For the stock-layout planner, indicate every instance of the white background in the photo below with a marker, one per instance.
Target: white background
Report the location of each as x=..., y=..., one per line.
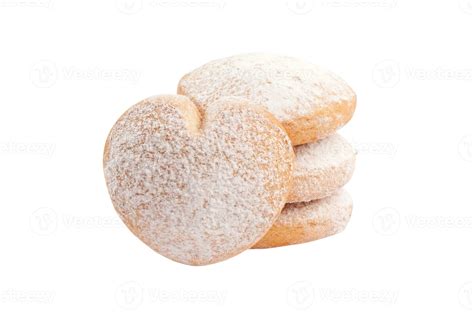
x=68, y=69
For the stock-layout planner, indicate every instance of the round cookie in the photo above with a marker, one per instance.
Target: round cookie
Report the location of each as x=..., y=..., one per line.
x=310, y=102
x=198, y=190
x=307, y=221
x=321, y=168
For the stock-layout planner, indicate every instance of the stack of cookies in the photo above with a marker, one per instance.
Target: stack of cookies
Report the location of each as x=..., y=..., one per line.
x=245, y=156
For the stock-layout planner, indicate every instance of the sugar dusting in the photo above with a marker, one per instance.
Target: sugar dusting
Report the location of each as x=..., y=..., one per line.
x=335, y=208
x=323, y=154
x=321, y=168
x=308, y=221
x=197, y=191
x=288, y=87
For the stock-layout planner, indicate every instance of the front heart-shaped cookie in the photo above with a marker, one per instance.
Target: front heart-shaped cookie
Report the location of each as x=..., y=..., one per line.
x=198, y=191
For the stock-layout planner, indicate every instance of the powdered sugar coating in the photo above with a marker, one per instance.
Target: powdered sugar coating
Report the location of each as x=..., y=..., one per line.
x=198, y=191
x=307, y=221
x=321, y=168
x=299, y=94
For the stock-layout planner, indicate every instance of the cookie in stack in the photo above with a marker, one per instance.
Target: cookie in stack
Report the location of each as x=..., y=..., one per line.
x=244, y=156
x=311, y=103
x=198, y=186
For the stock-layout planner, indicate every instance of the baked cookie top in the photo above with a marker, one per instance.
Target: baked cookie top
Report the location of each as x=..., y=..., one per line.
x=198, y=187
x=310, y=101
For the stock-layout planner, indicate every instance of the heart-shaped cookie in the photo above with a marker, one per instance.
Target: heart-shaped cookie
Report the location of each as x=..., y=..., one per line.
x=198, y=190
